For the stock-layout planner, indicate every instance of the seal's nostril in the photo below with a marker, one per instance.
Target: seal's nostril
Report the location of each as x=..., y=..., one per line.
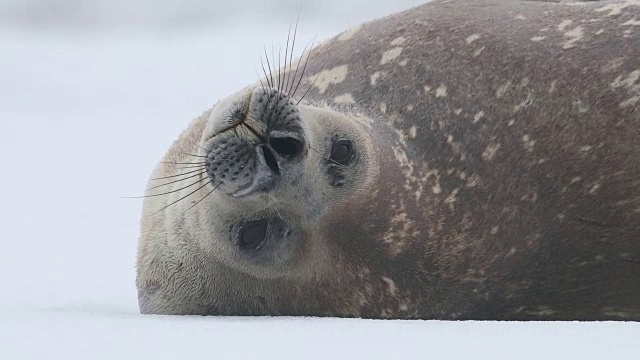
x=286, y=146
x=270, y=159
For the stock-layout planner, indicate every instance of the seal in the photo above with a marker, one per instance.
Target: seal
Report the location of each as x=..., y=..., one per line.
x=472, y=159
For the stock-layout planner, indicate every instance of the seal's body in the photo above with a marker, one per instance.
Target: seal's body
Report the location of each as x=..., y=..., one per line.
x=459, y=160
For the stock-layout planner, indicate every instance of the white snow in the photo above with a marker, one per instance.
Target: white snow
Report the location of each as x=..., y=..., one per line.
x=84, y=116
x=108, y=332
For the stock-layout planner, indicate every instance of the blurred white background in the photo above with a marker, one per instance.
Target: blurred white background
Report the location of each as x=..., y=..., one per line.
x=92, y=92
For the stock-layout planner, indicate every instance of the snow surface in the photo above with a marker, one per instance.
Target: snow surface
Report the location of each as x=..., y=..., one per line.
x=84, y=116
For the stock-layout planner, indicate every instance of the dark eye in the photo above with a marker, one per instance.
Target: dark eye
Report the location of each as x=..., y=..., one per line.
x=253, y=234
x=342, y=151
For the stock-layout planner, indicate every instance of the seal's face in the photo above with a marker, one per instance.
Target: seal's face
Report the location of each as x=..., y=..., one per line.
x=277, y=169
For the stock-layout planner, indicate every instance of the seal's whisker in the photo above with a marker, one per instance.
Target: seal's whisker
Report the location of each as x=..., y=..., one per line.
x=201, y=148
x=276, y=86
x=175, y=181
x=191, y=166
x=304, y=68
x=171, y=176
x=287, y=64
x=200, y=156
x=182, y=163
x=259, y=79
x=169, y=192
x=198, y=202
x=273, y=60
x=264, y=71
x=286, y=54
x=324, y=157
x=297, y=68
x=280, y=87
x=184, y=197
x=306, y=92
x=267, y=78
x=293, y=46
x=266, y=56
x=187, y=165
x=280, y=70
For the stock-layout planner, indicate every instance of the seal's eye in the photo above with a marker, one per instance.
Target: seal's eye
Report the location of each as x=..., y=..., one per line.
x=342, y=151
x=253, y=234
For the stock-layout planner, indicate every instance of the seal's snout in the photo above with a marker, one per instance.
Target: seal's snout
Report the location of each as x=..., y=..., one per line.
x=266, y=172
x=260, y=143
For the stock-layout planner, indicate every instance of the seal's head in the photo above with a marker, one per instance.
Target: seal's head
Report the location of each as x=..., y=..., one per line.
x=276, y=169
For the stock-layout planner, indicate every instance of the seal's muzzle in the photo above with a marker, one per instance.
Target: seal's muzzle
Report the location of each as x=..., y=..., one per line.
x=260, y=145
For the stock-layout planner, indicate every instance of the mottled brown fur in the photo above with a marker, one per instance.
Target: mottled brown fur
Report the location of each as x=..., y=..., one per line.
x=508, y=139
